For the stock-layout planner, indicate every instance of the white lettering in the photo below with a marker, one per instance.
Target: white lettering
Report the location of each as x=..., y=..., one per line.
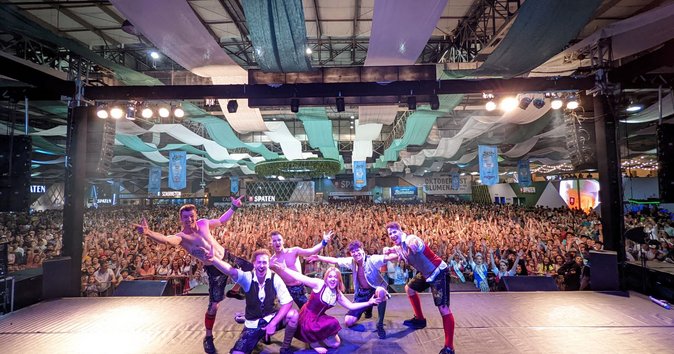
x=264, y=198
x=38, y=189
x=175, y=194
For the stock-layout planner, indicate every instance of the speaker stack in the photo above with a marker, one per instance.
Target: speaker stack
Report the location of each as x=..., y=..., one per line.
x=581, y=142
x=15, y=157
x=666, y=165
x=100, y=145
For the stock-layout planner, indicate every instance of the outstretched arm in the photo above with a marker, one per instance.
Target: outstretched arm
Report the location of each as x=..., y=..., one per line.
x=144, y=229
x=319, y=258
x=236, y=204
x=225, y=268
x=314, y=283
x=352, y=306
x=517, y=261
x=314, y=250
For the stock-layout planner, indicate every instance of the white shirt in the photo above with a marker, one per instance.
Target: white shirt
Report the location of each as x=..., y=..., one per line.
x=245, y=279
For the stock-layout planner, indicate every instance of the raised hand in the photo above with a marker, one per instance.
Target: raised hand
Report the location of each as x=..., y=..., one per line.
x=142, y=228
x=311, y=259
x=237, y=202
x=327, y=235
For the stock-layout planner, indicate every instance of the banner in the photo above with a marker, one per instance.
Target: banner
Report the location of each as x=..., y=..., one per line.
x=444, y=185
x=154, y=180
x=359, y=175
x=404, y=192
x=523, y=173
x=488, y=156
x=234, y=185
x=177, y=170
x=456, y=181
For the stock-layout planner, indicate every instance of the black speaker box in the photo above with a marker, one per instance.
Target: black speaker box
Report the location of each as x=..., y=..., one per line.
x=604, y=271
x=529, y=283
x=100, y=144
x=666, y=163
x=15, y=157
x=142, y=288
x=56, y=277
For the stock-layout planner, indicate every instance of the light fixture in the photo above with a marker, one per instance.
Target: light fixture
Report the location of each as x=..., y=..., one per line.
x=411, y=103
x=308, y=51
x=178, y=111
x=116, y=112
x=556, y=102
x=539, y=103
x=435, y=102
x=524, y=102
x=232, y=106
x=490, y=105
x=572, y=103
x=353, y=117
x=102, y=112
x=508, y=104
x=294, y=105
x=164, y=112
x=154, y=55
x=146, y=112
x=634, y=107
x=339, y=103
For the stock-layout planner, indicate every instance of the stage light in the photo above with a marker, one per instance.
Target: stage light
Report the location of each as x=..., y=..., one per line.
x=232, y=106
x=634, y=107
x=164, y=112
x=154, y=55
x=308, y=51
x=294, y=105
x=490, y=105
x=556, y=102
x=102, y=112
x=116, y=112
x=178, y=112
x=572, y=103
x=411, y=103
x=147, y=112
x=508, y=104
x=525, y=102
x=435, y=102
x=339, y=103
x=539, y=103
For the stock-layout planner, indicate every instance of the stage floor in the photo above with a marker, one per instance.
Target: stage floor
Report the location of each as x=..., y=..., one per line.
x=535, y=322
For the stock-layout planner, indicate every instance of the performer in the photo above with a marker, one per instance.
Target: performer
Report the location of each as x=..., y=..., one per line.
x=367, y=281
x=264, y=293
x=195, y=237
x=432, y=272
x=289, y=257
x=314, y=326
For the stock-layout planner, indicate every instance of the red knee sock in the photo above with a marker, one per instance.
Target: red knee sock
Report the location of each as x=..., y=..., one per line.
x=416, y=306
x=209, y=321
x=448, y=326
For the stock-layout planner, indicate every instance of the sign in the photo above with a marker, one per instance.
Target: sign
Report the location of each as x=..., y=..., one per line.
x=454, y=184
x=234, y=185
x=528, y=190
x=171, y=194
x=264, y=198
x=154, y=180
x=38, y=188
x=523, y=173
x=359, y=175
x=488, y=156
x=404, y=192
x=177, y=170
x=104, y=201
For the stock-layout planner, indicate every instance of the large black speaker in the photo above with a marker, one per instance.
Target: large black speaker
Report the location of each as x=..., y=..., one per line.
x=142, y=288
x=100, y=144
x=15, y=157
x=666, y=163
x=529, y=283
x=56, y=277
x=604, y=271
x=581, y=142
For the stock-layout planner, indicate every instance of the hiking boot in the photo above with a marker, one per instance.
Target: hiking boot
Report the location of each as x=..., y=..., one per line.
x=209, y=346
x=447, y=350
x=381, y=333
x=415, y=323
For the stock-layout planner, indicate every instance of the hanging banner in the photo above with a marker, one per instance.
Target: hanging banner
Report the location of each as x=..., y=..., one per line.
x=488, y=156
x=154, y=180
x=456, y=181
x=234, y=185
x=177, y=170
x=359, y=175
x=523, y=173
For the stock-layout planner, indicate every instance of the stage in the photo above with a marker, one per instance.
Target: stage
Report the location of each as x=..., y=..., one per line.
x=523, y=322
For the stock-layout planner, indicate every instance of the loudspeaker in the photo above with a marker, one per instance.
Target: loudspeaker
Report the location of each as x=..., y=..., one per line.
x=581, y=142
x=529, y=283
x=56, y=277
x=666, y=171
x=604, y=270
x=100, y=143
x=142, y=288
x=15, y=157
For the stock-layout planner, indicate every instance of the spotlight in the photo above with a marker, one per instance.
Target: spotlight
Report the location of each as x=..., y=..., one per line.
x=178, y=112
x=411, y=103
x=339, y=102
x=572, y=103
x=525, y=102
x=232, y=106
x=147, y=112
x=308, y=51
x=154, y=55
x=634, y=107
x=164, y=112
x=539, y=103
x=508, y=104
x=101, y=112
x=556, y=103
x=116, y=112
x=435, y=102
x=294, y=105
x=490, y=106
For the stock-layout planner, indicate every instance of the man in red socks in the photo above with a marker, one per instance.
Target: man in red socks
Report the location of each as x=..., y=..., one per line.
x=432, y=272
x=195, y=237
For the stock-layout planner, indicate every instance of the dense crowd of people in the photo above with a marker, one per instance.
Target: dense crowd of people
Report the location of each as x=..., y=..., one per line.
x=480, y=243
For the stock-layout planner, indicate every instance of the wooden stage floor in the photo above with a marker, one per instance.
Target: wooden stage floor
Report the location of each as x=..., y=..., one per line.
x=534, y=322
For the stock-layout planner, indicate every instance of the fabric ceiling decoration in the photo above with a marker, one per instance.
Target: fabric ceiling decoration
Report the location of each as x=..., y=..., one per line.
x=545, y=25
x=222, y=133
x=628, y=37
x=319, y=131
x=652, y=112
x=417, y=127
x=278, y=34
x=278, y=132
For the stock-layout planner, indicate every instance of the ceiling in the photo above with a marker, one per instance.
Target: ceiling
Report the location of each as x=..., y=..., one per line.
x=469, y=43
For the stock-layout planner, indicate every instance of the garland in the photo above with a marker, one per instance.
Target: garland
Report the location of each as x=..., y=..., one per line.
x=311, y=168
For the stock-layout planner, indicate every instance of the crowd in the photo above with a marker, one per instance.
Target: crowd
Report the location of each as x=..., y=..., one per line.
x=480, y=243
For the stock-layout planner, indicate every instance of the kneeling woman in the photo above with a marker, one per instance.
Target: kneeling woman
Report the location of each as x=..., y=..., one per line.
x=314, y=326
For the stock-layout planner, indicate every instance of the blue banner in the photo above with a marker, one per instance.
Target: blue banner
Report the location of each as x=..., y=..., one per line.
x=456, y=182
x=488, y=156
x=523, y=173
x=177, y=170
x=234, y=184
x=404, y=192
x=359, y=175
x=154, y=180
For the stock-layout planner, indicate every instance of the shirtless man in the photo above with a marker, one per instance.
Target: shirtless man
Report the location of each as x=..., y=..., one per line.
x=289, y=256
x=195, y=237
